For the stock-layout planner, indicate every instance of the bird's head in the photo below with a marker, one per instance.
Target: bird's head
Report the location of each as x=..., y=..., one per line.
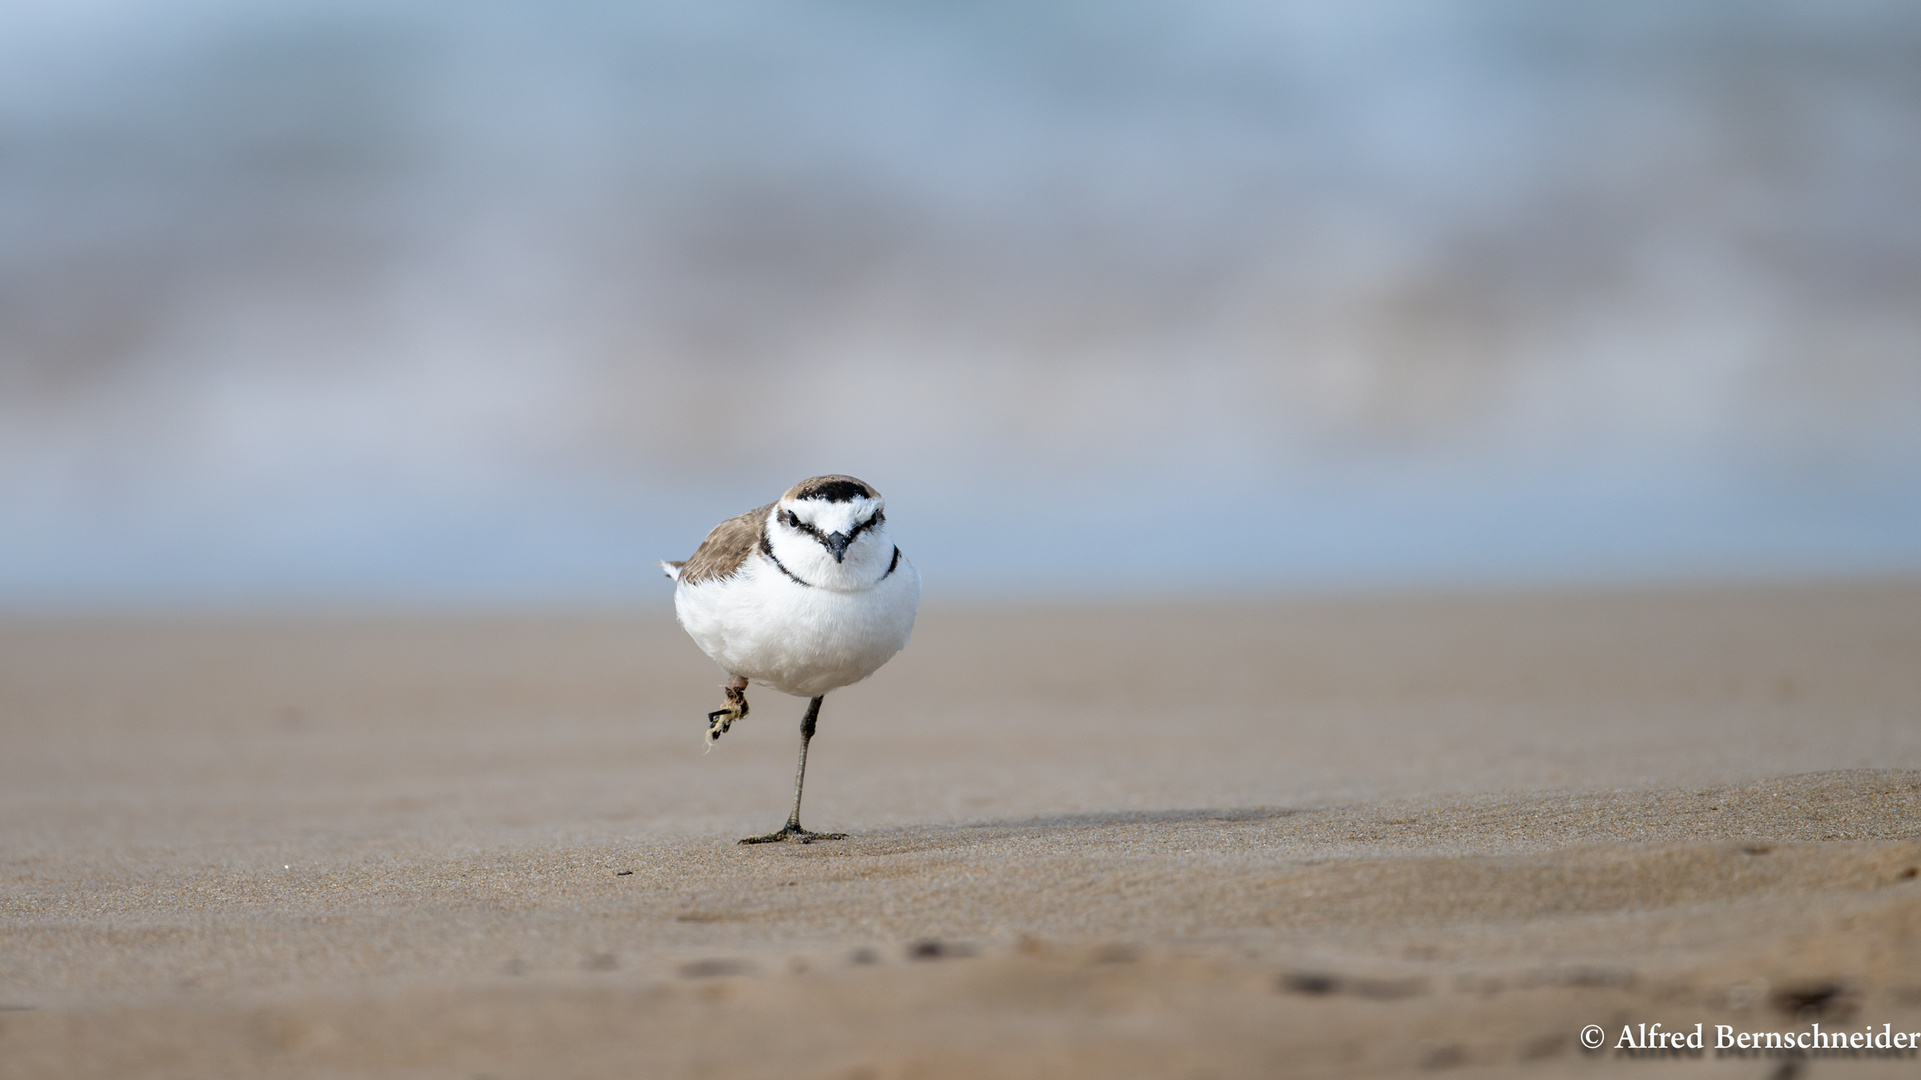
x=832, y=531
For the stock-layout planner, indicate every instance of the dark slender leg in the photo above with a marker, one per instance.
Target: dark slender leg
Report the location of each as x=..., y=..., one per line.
x=793, y=831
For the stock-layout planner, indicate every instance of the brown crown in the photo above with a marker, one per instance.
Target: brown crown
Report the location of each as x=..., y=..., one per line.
x=831, y=489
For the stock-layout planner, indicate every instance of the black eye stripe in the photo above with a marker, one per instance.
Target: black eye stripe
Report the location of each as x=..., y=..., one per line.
x=794, y=521
x=861, y=526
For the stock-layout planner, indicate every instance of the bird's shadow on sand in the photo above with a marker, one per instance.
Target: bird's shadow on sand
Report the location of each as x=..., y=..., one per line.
x=971, y=833
x=1141, y=817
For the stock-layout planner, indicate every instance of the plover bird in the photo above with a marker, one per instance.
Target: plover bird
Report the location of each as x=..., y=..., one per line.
x=806, y=595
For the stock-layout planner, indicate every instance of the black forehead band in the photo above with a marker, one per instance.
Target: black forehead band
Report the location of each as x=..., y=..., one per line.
x=835, y=491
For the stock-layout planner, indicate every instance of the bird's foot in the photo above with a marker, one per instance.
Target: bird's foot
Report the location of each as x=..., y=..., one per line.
x=720, y=720
x=793, y=834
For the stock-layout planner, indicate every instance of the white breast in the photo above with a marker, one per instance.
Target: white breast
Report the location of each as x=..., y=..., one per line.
x=801, y=640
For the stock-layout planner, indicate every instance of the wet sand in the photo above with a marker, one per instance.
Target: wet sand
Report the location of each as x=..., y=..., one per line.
x=1360, y=836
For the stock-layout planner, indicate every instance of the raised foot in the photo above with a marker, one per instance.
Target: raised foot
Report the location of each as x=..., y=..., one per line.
x=720, y=720
x=793, y=834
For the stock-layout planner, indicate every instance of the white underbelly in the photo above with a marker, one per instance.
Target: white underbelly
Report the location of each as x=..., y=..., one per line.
x=797, y=639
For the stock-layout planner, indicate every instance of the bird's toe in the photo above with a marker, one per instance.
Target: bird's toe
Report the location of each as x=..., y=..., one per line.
x=792, y=834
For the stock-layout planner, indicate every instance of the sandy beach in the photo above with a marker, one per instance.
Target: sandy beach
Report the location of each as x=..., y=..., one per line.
x=1344, y=837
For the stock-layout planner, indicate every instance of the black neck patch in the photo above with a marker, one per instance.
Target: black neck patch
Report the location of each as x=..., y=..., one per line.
x=835, y=491
x=767, y=549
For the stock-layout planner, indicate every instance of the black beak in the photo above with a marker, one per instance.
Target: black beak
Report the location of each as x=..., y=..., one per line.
x=837, y=543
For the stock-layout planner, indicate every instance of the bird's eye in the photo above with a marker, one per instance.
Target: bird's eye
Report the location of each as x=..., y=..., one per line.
x=793, y=519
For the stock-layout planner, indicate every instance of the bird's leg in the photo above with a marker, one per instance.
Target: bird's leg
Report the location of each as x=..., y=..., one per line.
x=792, y=830
x=720, y=720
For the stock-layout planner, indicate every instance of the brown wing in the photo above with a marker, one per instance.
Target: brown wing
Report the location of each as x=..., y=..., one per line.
x=726, y=547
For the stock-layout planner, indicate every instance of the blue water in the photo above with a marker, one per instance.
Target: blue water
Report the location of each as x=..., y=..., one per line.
x=497, y=303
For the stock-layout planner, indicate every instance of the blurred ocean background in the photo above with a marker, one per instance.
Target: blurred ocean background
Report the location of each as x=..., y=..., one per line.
x=496, y=303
